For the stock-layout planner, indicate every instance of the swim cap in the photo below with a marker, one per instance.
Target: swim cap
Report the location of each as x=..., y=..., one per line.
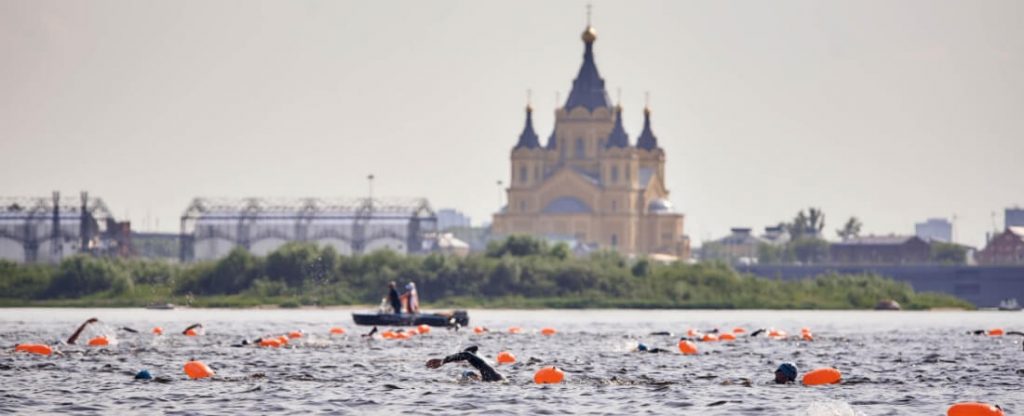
x=143, y=375
x=641, y=347
x=788, y=370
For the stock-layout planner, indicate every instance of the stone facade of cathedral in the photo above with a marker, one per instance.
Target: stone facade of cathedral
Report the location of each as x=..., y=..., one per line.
x=589, y=184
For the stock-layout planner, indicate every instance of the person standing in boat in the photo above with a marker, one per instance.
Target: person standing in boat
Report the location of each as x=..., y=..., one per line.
x=394, y=299
x=411, y=299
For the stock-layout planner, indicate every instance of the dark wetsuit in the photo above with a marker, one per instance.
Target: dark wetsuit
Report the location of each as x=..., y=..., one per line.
x=396, y=302
x=487, y=373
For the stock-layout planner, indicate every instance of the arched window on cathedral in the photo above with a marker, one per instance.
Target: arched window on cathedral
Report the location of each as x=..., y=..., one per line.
x=615, y=174
x=522, y=174
x=581, y=151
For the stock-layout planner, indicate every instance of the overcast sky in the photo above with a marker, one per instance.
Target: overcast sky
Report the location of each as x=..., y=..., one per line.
x=893, y=111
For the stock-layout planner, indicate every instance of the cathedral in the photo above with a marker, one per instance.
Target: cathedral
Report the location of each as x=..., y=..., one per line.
x=589, y=183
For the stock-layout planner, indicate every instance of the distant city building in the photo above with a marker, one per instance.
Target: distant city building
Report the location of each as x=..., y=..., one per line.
x=211, y=228
x=740, y=246
x=448, y=218
x=1013, y=217
x=156, y=245
x=935, y=229
x=1005, y=248
x=776, y=235
x=588, y=183
x=881, y=250
x=47, y=230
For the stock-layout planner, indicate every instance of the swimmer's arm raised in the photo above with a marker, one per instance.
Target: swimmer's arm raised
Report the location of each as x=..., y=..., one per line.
x=74, y=336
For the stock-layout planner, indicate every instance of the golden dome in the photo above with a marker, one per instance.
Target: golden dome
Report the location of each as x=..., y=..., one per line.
x=589, y=35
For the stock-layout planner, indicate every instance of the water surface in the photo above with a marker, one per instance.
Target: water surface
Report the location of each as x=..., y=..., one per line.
x=893, y=363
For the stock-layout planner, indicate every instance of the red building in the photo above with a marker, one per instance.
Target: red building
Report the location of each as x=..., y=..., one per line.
x=881, y=250
x=1005, y=248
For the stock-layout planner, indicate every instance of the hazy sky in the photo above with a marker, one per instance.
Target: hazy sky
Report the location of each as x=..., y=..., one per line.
x=893, y=111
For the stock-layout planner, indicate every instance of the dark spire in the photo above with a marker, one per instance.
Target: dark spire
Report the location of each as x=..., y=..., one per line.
x=528, y=138
x=618, y=138
x=647, y=140
x=588, y=87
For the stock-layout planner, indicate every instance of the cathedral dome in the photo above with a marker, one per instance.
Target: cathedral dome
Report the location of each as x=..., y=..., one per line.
x=589, y=35
x=659, y=206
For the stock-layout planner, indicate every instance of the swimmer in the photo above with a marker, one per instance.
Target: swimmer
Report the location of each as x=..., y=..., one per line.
x=78, y=332
x=191, y=327
x=370, y=334
x=758, y=332
x=661, y=333
x=130, y=330
x=487, y=373
x=640, y=347
x=786, y=373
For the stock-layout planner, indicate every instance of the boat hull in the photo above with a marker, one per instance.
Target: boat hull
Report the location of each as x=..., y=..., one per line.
x=405, y=319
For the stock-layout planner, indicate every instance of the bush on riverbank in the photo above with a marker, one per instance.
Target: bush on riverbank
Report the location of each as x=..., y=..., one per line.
x=518, y=272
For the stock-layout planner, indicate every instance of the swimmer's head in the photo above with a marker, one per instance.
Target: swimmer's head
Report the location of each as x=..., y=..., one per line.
x=786, y=373
x=469, y=376
x=641, y=347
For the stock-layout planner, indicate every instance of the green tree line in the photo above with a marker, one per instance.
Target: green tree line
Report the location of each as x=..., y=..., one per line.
x=515, y=272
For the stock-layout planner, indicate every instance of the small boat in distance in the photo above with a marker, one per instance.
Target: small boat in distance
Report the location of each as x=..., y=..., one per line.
x=1009, y=305
x=160, y=306
x=406, y=319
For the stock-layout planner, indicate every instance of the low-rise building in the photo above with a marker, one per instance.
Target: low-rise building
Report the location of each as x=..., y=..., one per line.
x=1005, y=248
x=741, y=245
x=893, y=249
x=935, y=229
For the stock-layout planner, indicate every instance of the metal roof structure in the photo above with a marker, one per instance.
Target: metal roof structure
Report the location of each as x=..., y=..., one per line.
x=352, y=225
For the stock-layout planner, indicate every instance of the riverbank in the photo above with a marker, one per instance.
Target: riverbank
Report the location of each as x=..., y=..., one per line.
x=517, y=273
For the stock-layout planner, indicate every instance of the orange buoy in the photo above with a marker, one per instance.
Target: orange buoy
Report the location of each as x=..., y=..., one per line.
x=506, y=357
x=403, y=335
x=727, y=337
x=191, y=333
x=807, y=336
x=692, y=333
x=283, y=339
x=548, y=331
x=827, y=375
x=515, y=330
x=196, y=370
x=337, y=330
x=548, y=375
x=709, y=338
x=295, y=334
x=738, y=330
x=387, y=334
x=479, y=329
x=995, y=332
x=687, y=347
x=99, y=341
x=40, y=349
x=805, y=329
x=270, y=342
x=424, y=329
x=158, y=330
x=776, y=333
x=974, y=409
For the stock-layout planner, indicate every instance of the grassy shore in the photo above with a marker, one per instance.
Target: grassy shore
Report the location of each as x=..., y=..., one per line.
x=518, y=273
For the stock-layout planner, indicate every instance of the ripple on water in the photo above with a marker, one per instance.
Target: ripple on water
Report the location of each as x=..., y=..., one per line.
x=919, y=369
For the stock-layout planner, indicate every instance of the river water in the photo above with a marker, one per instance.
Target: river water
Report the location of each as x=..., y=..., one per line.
x=893, y=363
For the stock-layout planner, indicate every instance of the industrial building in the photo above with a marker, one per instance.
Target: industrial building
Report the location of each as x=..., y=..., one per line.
x=47, y=230
x=211, y=228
